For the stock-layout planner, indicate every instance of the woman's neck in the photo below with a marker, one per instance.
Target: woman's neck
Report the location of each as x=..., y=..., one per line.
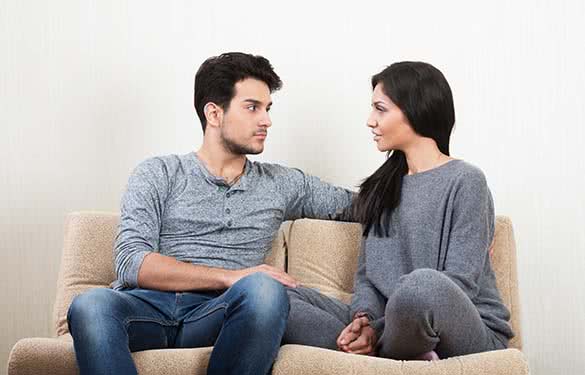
x=424, y=155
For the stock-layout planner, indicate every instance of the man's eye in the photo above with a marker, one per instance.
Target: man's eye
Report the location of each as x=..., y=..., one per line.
x=252, y=107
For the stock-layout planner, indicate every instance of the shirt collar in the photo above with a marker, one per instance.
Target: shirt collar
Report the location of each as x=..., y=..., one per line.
x=241, y=184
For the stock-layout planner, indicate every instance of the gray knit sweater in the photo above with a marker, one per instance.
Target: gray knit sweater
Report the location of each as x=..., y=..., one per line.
x=445, y=222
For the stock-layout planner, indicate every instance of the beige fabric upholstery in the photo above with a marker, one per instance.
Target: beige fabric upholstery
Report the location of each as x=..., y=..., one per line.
x=321, y=254
x=55, y=356
x=302, y=360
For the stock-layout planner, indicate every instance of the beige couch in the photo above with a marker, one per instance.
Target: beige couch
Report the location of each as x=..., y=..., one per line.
x=320, y=254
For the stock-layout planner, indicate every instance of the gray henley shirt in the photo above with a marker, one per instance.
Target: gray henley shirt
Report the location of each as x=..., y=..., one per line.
x=174, y=206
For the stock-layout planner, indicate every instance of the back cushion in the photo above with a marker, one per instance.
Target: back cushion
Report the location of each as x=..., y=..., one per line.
x=323, y=255
x=87, y=260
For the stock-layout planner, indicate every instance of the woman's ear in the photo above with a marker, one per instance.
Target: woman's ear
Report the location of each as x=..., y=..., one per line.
x=213, y=114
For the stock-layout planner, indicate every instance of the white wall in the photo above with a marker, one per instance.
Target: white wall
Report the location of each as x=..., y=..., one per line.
x=88, y=89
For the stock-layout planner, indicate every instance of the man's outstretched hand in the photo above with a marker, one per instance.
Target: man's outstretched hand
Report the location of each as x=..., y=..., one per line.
x=275, y=273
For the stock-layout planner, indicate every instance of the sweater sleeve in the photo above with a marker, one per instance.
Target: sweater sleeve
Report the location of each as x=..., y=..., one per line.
x=141, y=213
x=366, y=298
x=309, y=197
x=471, y=233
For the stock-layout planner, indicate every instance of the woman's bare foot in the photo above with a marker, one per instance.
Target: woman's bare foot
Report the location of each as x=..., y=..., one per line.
x=428, y=356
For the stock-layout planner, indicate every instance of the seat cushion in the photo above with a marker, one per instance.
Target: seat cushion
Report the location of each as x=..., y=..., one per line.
x=55, y=356
x=46, y=356
x=301, y=360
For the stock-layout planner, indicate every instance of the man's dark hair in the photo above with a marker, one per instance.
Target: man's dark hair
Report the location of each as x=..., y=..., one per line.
x=216, y=79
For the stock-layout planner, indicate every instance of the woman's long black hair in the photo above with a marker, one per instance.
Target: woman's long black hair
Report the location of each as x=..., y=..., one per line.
x=424, y=96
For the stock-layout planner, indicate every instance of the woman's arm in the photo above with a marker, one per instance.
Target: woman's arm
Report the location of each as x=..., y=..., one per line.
x=367, y=300
x=471, y=233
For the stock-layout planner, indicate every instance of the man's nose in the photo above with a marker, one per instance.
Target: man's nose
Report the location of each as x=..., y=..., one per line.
x=265, y=120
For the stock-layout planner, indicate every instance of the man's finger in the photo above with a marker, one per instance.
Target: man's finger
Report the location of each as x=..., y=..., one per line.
x=284, y=278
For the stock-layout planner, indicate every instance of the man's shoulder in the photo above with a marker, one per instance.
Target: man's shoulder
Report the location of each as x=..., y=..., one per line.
x=160, y=167
x=276, y=171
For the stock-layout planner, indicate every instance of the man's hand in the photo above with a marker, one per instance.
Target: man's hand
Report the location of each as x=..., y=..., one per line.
x=275, y=273
x=358, y=337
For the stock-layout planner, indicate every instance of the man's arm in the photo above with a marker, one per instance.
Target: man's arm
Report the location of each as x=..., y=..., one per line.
x=137, y=259
x=165, y=273
x=309, y=197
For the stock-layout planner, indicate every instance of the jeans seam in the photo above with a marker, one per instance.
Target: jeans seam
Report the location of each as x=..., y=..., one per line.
x=222, y=305
x=168, y=323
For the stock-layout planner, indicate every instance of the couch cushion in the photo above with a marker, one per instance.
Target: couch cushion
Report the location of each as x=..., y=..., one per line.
x=56, y=356
x=87, y=258
x=301, y=360
x=323, y=255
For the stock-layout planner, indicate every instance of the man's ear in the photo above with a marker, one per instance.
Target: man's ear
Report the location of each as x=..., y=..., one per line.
x=213, y=114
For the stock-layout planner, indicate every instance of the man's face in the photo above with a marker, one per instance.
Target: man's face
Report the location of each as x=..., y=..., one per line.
x=245, y=123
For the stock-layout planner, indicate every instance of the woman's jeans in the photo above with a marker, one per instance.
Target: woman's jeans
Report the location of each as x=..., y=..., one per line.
x=245, y=325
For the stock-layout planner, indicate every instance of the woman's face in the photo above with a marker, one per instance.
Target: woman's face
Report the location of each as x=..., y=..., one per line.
x=389, y=125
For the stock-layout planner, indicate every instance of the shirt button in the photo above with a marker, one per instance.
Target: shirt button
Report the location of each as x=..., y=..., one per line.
x=227, y=211
x=228, y=195
x=229, y=223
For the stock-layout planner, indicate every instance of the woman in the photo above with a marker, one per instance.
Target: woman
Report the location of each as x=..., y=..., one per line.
x=424, y=288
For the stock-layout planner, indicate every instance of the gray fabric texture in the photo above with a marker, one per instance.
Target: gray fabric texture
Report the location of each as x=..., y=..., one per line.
x=173, y=205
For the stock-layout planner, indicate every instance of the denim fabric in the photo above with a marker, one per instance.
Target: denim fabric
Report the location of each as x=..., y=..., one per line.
x=245, y=325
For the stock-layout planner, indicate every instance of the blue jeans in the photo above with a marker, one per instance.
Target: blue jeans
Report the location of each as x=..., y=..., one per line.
x=245, y=325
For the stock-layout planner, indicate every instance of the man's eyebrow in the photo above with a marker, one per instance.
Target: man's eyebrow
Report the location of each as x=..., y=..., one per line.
x=255, y=101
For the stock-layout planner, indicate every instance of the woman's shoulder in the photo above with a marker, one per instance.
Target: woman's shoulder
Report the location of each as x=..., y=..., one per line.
x=469, y=179
x=467, y=171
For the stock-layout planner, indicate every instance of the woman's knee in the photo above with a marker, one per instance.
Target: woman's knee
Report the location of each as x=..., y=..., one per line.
x=418, y=291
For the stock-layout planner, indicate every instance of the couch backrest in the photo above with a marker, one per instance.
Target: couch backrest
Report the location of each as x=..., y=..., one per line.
x=87, y=260
x=323, y=255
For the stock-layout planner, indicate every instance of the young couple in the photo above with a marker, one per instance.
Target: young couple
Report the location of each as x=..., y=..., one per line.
x=195, y=228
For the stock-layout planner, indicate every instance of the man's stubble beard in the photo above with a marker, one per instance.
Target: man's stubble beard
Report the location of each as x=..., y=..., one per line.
x=237, y=148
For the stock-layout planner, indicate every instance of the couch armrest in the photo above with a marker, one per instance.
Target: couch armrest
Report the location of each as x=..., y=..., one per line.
x=47, y=356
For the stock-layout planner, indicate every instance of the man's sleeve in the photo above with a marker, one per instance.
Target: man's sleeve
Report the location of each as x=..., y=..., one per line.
x=141, y=211
x=309, y=197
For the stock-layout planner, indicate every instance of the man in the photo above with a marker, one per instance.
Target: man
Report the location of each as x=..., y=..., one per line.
x=194, y=230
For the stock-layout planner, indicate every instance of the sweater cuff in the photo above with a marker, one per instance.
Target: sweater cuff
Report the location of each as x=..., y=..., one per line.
x=378, y=326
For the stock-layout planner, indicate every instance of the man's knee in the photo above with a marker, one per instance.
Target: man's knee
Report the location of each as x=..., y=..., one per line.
x=91, y=306
x=265, y=298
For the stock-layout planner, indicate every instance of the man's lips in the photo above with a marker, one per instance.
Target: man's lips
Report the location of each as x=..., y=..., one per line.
x=261, y=135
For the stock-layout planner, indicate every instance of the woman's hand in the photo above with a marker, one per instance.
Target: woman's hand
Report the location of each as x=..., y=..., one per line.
x=358, y=337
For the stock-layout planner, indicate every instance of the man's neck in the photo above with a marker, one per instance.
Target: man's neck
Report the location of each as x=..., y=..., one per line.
x=221, y=163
